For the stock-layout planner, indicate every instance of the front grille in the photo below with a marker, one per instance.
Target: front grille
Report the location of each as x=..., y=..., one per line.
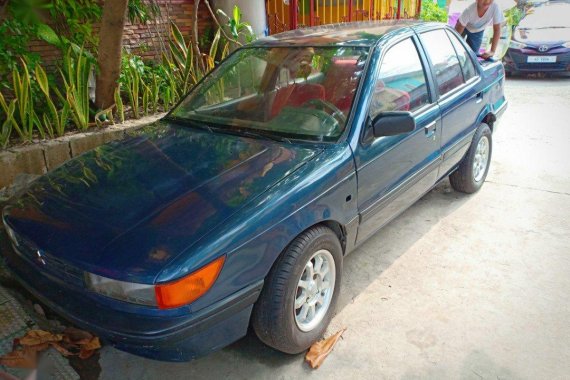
x=49, y=264
x=520, y=62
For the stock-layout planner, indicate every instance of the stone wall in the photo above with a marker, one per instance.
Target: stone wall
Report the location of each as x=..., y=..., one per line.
x=43, y=156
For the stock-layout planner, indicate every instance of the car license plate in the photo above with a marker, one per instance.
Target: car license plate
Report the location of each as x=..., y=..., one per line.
x=542, y=59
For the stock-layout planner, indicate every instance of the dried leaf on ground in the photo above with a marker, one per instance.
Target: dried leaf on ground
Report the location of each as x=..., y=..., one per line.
x=24, y=358
x=76, y=336
x=35, y=337
x=86, y=354
x=61, y=349
x=73, y=342
x=320, y=350
x=93, y=344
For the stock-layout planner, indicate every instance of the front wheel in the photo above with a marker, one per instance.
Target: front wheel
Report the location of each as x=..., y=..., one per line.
x=472, y=171
x=299, y=296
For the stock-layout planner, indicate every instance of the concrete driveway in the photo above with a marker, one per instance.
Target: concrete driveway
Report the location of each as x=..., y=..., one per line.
x=458, y=286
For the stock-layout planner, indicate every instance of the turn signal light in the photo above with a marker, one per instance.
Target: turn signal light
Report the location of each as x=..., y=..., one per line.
x=188, y=289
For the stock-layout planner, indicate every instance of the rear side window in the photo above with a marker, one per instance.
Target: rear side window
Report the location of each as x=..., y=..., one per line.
x=446, y=66
x=401, y=85
x=464, y=59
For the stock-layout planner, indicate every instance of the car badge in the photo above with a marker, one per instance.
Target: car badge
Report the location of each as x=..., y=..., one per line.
x=543, y=48
x=40, y=258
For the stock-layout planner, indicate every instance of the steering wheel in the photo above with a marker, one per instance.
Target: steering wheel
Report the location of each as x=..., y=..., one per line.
x=323, y=105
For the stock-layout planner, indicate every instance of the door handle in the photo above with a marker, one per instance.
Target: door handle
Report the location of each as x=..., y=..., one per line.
x=479, y=97
x=430, y=129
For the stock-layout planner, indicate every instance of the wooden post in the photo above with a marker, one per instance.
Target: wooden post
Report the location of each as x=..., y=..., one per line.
x=419, y=9
x=399, y=7
x=293, y=14
x=312, y=13
x=349, y=10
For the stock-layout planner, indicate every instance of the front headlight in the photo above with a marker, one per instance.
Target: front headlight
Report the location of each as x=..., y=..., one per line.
x=516, y=45
x=167, y=295
x=141, y=294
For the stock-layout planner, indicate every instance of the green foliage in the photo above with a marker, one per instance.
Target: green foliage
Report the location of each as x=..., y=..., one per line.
x=119, y=104
x=6, y=127
x=25, y=117
x=432, y=12
x=142, y=11
x=133, y=69
x=75, y=75
x=514, y=16
x=54, y=120
x=237, y=27
x=13, y=47
x=24, y=21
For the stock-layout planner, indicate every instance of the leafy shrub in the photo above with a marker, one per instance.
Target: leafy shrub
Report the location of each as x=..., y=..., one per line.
x=432, y=12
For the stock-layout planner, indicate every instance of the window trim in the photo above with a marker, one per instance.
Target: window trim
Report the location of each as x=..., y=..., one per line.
x=457, y=54
x=427, y=75
x=440, y=96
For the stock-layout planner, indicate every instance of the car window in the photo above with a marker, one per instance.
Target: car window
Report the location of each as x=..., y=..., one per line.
x=401, y=85
x=464, y=59
x=447, y=69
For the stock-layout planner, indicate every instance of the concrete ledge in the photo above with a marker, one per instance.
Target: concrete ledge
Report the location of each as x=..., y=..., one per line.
x=43, y=156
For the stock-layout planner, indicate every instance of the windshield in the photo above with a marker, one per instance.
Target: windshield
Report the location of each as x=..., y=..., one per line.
x=291, y=92
x=547, y=16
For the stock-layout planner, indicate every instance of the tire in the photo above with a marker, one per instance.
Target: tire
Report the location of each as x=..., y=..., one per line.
x=275, y=319
x=467, y=179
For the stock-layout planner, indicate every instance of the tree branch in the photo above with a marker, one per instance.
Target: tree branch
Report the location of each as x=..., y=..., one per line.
x=194, y=38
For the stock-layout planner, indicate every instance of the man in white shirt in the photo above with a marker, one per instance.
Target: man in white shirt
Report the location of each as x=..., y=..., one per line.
x=473, y=21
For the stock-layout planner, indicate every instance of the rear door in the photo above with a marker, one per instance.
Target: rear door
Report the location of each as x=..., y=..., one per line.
x=459, y=95
x=394, y=171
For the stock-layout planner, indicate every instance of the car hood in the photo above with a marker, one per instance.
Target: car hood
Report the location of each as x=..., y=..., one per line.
x=547, y=36
x=128, y=208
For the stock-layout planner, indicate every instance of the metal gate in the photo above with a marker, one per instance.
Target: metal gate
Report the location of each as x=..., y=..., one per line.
x=285, y=15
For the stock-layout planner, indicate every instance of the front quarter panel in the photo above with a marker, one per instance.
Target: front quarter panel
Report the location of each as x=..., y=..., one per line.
x=324, y=189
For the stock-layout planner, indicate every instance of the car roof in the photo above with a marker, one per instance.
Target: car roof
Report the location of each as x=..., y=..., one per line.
x=366, y=33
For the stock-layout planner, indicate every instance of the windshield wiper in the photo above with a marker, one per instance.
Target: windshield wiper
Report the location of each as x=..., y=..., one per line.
x=257, y=134
x=190, y=122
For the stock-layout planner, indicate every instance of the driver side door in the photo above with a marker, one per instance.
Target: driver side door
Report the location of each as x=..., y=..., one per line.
x=394, y=171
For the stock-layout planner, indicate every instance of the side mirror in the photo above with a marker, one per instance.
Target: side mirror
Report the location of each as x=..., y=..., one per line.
x=393, y=123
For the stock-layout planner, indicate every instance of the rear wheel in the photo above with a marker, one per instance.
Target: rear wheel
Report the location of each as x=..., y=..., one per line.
x=300, y=293
x=472, y=171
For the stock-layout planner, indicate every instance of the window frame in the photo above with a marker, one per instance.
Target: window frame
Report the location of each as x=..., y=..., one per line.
x=451, y=36
x=384, y=48
x=476, y=79
x=378, y=76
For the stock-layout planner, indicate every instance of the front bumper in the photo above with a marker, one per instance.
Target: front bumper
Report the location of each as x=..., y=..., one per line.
x=517, y=60
x=180, y=338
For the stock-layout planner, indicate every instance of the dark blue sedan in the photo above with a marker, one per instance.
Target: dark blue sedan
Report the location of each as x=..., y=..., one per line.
x=238, y=208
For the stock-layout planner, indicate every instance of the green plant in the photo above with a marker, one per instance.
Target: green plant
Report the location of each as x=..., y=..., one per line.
x=142, y=11
x=432, y=12
x=132, y=78
x=181, y=63
x=6, y=127
x=54, y=120
x=75, y=74
x=514, y=16
x=238, y=28
x=119, y=104
x=25, y=117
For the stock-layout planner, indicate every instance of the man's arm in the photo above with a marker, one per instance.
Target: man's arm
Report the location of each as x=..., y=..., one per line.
x=459, y=27
x=494, y=42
